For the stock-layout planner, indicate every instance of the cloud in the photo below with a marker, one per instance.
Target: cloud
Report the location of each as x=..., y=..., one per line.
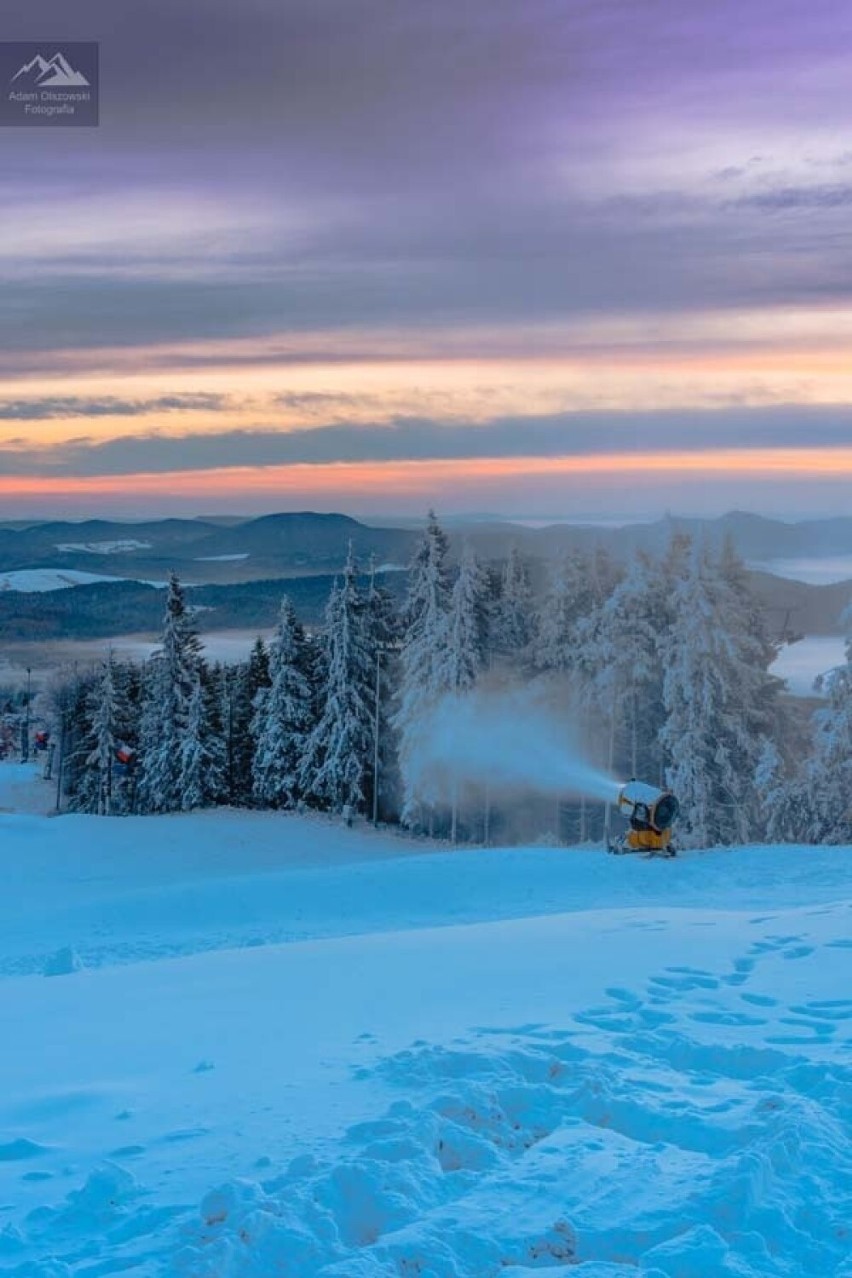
x=784, y=198
x=321, y=164
x=406, y=440
x=61, y=406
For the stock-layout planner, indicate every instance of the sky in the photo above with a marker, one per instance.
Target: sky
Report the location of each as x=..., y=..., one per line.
x=530, y=257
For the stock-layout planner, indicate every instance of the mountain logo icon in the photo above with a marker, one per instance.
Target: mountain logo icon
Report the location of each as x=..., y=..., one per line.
x=42, y=72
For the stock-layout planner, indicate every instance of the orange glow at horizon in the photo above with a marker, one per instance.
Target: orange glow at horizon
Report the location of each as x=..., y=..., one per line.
x=416, y=478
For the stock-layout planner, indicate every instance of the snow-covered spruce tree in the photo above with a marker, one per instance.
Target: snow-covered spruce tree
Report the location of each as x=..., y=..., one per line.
x=382, y=624
x=618, y=652
x=423, y=671
x=567, y=599
x=764, y=723
x=170, y=679
x=466, y=641
x=216, y=780
x=74, y=706
x=512, y=622
x=713, y=738
x=193, y=754
x=337, y=765
x=240, y=689
x=785, y=800
x=104, y=789
x=282, y=715
x=464, y=652
x=830, y=772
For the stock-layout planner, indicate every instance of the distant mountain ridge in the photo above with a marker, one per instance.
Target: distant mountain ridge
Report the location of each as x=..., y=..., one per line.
x=306, y=543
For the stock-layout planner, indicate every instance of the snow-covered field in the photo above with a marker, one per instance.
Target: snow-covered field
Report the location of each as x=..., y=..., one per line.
x=256, y=1044
x=33, y=580
x=123, y=547
x=38, y=580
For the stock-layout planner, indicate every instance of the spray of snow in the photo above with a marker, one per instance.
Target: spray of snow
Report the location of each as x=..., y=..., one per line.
x=510, y=740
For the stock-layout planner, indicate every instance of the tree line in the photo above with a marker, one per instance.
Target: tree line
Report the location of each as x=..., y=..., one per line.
x=665, y=664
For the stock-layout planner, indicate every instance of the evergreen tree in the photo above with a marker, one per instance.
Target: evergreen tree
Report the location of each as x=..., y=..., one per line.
x=466, y=640
x=169, y=685
x=215, y=782
x=465, y=647
x=242, y=687
x=512, y=625
x=567, y=600
x=282, y=715
x=77, y=744
x=382, y=634
x=619, y=653
x=110, y=730
x=831, y=770
x=423, y=670
x=194, y=755
x=713, y=739
x=337, y=766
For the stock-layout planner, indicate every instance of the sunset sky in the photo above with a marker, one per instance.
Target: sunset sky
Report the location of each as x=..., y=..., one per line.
x=532, y=257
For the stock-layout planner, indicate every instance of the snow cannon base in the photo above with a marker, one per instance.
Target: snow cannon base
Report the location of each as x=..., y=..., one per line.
x=650, y=812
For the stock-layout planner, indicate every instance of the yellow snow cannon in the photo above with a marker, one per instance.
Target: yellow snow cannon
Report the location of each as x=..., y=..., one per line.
x=651, y=813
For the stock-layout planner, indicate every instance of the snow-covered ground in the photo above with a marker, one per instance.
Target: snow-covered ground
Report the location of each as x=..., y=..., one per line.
x=220, y=559
x=257, y=1044
x=37, y=580
x=122, y=547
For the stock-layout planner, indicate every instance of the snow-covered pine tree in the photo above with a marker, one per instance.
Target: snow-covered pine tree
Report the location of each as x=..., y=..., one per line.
x=282, y=715
x=763, y=724
x=464, y=652
x=382, y=630
x=567, y=599
x=512, y=620
x=715, y=674
x=74, y=706
x=170, y=679
x=215, y=781
x=785, y=800
x=336, y=768
x=423, y=670
x=619, y=655
x=240, y=690
x=193, y=750
x=465, y=649
x=830, y=772
x=110, y=729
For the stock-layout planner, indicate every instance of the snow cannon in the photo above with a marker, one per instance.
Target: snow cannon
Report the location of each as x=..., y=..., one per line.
x=651, y=813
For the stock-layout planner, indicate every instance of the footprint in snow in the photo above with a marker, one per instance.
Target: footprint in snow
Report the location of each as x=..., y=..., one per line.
x=186, y=1133
x=832, y=1009
x=17, y=1150
x=726, y=1018
x=822, y=1029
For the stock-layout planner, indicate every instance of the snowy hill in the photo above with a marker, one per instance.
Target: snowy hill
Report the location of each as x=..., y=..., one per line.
x=40, y=580
x=249, y=1044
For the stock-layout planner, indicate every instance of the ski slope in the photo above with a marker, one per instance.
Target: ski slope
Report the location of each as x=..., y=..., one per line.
x=242, y=1045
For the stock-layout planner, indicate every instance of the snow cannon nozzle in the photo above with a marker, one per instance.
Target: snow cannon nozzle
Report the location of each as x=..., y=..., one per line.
x=651, y=813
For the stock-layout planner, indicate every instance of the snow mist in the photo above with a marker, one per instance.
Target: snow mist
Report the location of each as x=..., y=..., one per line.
x=508, y=740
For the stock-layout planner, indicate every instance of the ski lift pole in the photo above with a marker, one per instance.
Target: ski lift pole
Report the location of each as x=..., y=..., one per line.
x=25, y=741
x=60, y=762
x=376, y=725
